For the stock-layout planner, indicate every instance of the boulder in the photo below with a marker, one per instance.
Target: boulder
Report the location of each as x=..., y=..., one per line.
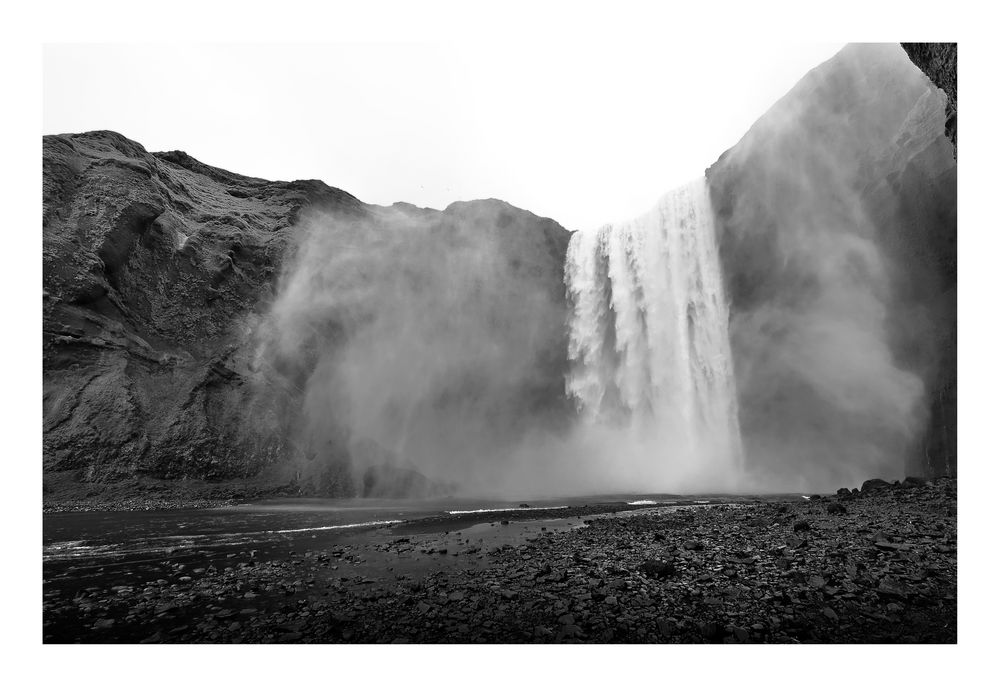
x=874, y=485
x=658, y=569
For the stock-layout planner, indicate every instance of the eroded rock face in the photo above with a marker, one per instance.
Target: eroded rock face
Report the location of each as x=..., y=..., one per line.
x=157, y=272
x=836, y=222
x=939, y=61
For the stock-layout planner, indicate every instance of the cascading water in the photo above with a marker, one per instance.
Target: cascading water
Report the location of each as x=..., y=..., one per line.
x=649, y=345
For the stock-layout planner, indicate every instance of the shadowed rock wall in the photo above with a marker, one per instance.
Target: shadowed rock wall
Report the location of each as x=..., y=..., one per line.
x=157, y=271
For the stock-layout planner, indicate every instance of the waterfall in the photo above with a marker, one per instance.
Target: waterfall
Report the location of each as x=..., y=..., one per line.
x=648, y=339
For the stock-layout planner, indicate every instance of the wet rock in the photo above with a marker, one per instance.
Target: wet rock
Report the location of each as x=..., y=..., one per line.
x=894, y=588
x=658, y=569
x=666, y=627
x=874, y=485
x=542, y=632
x=570, y=632
x=711, y=630
x=794, y=542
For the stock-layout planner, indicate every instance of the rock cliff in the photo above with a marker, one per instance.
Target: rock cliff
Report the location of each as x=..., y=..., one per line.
x=939, y=61
x=158, y=271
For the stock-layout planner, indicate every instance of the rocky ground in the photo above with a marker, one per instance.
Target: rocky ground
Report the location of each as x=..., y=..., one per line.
x=63, y=492
x=877, y=565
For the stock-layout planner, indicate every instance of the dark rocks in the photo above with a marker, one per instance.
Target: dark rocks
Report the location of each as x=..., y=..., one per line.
x=874, y=485
x=693, y=545
x=801, y=526
x=666, y=627
x=793, y=542
x=711, y=631
x=836, y=509
x=658, y=569
x=893, y=588
x=842, y=587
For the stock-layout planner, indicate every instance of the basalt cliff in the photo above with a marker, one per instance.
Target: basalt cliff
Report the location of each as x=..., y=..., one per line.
x=158, y=271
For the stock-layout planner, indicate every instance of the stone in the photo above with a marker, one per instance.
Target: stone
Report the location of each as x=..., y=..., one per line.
x=801, y=526
x=794, y=542
x=658, y=569
x=893, y=588
x=666, y=627
x=542, y=632
x=836, y=509
x=711, y=630
x=874, y=485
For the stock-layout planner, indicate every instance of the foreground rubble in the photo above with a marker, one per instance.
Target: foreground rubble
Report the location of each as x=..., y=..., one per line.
x=871, y=566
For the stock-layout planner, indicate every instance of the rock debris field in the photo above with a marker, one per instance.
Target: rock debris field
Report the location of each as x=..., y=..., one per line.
x=871, y=565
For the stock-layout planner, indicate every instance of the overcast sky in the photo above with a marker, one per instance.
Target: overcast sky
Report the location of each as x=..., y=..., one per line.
x=585, y=134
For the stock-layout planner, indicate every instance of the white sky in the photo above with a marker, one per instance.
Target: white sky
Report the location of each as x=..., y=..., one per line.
x=585, y=134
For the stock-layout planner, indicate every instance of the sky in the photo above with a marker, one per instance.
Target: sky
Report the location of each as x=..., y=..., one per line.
x=583, y=133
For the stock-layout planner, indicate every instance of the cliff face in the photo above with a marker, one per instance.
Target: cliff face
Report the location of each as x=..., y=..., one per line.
x=158, y=272
x=939, y=61
x=836, y=222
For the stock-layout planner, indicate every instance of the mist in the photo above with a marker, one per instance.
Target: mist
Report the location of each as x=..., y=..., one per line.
x=833, y=346
x=779, y=335
x=424, y=345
